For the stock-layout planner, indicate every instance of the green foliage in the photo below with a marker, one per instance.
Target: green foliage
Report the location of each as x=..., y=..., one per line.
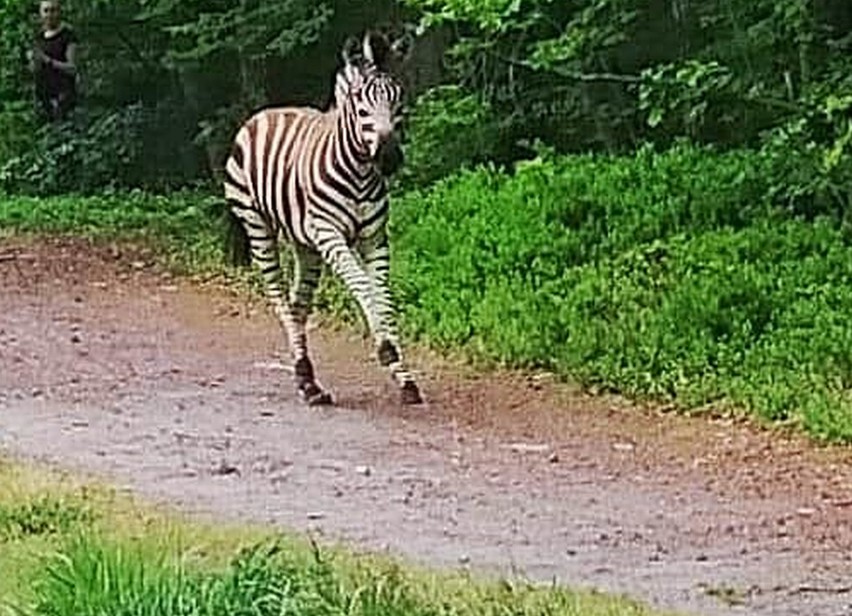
x=186, y=225
x=17, y=23
x=79, y=156
x=447, y=130
x=250, y=29
x=17, y=130
x=687, y=91
x=529, y=58
x=664, y=275
x=610, y=74
x=811, y=158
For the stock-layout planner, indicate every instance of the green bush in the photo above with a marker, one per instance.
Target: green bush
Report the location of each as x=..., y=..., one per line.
x=665, y=275
x=447, y=130
x=132, y=146
x=810, y=158
x=17, y=129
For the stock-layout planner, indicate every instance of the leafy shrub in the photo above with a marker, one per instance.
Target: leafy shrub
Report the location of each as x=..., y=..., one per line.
x=447, y=130
x=17, y=129
x=121, y=148
x=810, y=158
x=665, y=275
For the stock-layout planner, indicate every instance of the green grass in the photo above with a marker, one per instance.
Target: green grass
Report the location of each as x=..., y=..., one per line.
x=129, y=559
x=185, y=225
x=92, y=577
x=666, y=276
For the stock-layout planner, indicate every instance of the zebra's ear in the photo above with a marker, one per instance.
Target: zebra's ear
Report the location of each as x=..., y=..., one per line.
x=403, y=45
x=376, y=49
x=351, y=53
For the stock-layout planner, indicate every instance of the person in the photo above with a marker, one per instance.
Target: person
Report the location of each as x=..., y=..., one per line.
x=53, y=61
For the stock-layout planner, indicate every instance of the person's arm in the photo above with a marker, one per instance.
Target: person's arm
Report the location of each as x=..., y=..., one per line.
x=68, y=67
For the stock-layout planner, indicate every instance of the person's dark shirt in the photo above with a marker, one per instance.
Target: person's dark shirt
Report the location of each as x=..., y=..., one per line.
x=51, y=83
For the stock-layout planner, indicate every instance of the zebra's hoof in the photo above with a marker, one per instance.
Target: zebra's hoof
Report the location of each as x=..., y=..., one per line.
x=313, y=395
x=411, y=393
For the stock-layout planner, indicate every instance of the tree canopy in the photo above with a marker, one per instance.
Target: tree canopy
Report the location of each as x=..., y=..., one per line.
x=176, y=77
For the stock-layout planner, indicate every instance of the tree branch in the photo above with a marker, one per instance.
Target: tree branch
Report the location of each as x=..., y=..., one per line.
x=575, y=75
x=606, y=77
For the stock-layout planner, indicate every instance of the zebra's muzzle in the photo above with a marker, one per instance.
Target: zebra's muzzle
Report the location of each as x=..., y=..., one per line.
x=390, y=157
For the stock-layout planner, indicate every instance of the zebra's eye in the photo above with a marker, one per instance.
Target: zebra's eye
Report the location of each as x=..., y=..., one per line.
x=363, y=113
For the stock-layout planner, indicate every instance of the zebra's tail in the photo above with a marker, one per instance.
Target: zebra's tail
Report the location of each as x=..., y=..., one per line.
x=237, y=250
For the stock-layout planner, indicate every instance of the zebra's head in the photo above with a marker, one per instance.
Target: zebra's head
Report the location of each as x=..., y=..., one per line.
x=367, y=89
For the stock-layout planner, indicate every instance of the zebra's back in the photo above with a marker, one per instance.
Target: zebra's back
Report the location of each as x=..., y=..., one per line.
x=269, y=169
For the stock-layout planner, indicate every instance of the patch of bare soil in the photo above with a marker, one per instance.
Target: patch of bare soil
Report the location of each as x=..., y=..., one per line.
x=175, y=389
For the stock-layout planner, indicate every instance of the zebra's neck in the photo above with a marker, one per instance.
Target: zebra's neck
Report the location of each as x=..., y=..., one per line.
x=349, y=144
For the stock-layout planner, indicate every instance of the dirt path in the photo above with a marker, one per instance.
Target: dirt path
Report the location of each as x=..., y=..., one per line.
x=175, y=390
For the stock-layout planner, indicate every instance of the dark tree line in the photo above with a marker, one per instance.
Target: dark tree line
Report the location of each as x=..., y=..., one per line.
x=166, y=81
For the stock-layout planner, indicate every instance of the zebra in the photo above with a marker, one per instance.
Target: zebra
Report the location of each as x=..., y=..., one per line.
x=318, y=180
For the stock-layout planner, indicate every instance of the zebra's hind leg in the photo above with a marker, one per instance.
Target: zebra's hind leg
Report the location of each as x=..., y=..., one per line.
x=307, y=266
x=264, y=252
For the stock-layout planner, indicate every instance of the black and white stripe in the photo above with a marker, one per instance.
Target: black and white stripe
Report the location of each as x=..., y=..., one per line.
x=318, y=180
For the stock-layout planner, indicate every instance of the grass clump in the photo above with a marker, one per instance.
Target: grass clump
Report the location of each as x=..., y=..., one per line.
x=38, y=509
x=92, y=577
x=46, y=515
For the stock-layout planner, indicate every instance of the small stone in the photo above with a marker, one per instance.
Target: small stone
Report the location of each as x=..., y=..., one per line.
x=226, y=469
x=529, y=447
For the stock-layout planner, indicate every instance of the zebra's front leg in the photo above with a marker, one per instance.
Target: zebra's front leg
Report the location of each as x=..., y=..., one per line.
x=374, y=299
x=375, y=254
x=292, y=318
